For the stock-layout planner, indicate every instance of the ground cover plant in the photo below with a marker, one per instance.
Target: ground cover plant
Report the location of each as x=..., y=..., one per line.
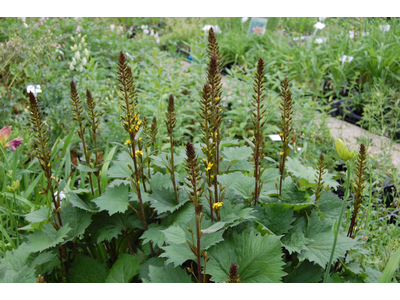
x=151, y=177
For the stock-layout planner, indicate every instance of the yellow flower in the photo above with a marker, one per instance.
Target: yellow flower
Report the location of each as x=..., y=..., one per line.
x=217, y=98
x=128, y=141
x=217, y=205
x=281, y=153
x=281, y=134
x=204, y=159
x=209, y=166
x=343, y=152
x=137, y=152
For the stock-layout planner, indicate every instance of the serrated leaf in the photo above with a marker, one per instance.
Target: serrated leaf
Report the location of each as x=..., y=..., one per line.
x=319, y=248
x=298, y=170
x=177, y=254
x=159, y=180
x=107, y=232
x=213, y=228
x=292, y=195
x=86, y=269
x=15, y=259
x=330, y=205
x=235, y=214
x=38, y=215
x=180, y=217
x=154, y=234
x=174, y=235
x=373, y=275
x=114, y=199
x=119, y=169
x=42, y=258
x=144, y=267
x=240, y=165
x=76, y=218
x=276, y=218
x=306, y=272
x=47, y=237
x=259, y=259
x=236, y=153
x=24, y=275
x=77, y=201
x=295, y=240
x=168, y=274
x=162, y=161
x=164, y=200
x=124, y=269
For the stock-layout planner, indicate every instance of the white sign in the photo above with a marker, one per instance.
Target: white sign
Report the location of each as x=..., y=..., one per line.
x=275, y=137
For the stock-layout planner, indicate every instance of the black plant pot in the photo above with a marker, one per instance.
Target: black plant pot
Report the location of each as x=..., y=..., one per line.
x=350, y=115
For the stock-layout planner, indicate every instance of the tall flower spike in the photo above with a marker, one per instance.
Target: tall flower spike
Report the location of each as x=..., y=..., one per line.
x=318, y=179
x=78, y=116
x=131, y=123
x=359, y=187
x=94, y=123
x=170, y=122
x=43, y=155
x=193, y=179
x=286, y=127
x=258, y=123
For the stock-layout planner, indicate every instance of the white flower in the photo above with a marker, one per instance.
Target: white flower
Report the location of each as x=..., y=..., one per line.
x=144, y=27
x=384, y=27
x=378, y=94
x=346, y=58
x=351, y=34
x=73, y=61
x=129, y=56
x=319, y=25
x=34, y=89
x=78, y=29
x=244, y=19
x=214, y=27
x=74, y=47
x=23, y=19
x=320, y=40
x=321, y=19
x=84, y=61
x=25, y=25
x=112, y=26
x=80, y=68
x=71, y=66
x=151, y=32
x=86, y=52
x=62, y=195
x=120, y=28
x=59, y=51
x=77, y=55
x=157, y=40
x=146, y=31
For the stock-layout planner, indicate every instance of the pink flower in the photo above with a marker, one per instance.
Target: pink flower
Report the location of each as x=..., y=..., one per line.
x=5, y=133
x=14, y=143
x=257, y=30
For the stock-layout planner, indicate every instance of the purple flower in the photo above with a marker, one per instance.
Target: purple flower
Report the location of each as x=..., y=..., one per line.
x=5, y=133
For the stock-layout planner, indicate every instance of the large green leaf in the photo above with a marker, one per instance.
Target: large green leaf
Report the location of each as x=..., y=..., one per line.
x=239, y=165
x=298, y=170
x=86, y=269
x=306, y=272
x=160, y=180
x=168, y=274
x=319, y=249
x=144, y=267
x=47, y=237
x=154, y=234
x=177, y=254
x=330, y=205
x=164, y=200
x=14, y=268
x=123, y=269
x=276, y=218
x=76, y=218
x=38, y=215
x=295, y=240
x=258, y=258
x=82, y=202
x=114, y=199
x=162, y=159
x=180, y=217
x=236, y=153
x=235, y=214
x=175, y=235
